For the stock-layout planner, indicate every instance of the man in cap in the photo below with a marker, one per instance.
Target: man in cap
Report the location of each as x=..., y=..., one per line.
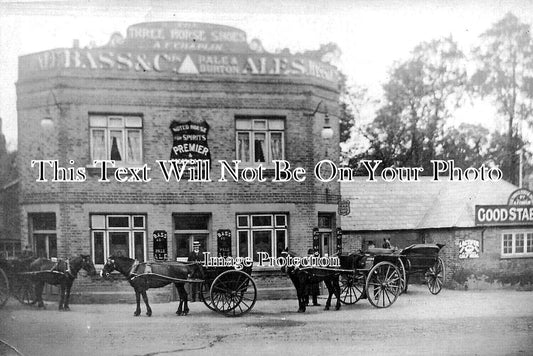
x=195, y=256
x=312, y=289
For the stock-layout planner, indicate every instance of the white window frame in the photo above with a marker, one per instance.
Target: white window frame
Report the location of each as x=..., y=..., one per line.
x=125, y=128
x=254, y=120
x=130, y=230
x=48, y=234
x=192, y=232
x=273, y=228
x=513, y=253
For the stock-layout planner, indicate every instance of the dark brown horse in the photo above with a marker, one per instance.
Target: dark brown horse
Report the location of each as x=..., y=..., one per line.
x=154, y=275
x=302, y=277
x=61, y=273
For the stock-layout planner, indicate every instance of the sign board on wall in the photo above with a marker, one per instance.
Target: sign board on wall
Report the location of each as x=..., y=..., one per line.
x=181, y=48
x=468, y=249
x=316, y=240
x=521, y=196
x=339, y=240
x=344, y=207
x=192, y=36
x=518, y=211
x=189, y=141
x=223, y=243
x=160, y=242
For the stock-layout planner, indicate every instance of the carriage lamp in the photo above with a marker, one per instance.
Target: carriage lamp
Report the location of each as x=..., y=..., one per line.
x=327, y=131
x=47, y=122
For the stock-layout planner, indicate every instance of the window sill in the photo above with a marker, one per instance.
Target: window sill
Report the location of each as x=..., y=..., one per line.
x=257, y=268
x=267, y=170
x=97, y=171
x=505, y=257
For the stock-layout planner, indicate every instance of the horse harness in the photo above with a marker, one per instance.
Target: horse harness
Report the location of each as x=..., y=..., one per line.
x=132, y=274
x=67, y=272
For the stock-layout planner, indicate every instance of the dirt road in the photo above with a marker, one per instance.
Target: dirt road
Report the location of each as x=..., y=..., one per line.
x=451, y=323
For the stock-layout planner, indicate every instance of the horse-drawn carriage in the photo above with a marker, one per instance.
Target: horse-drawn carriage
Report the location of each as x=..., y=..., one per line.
x=415, y=259
x=24, y=278
x=13, y=281
x=378, y=280
x=225, y=290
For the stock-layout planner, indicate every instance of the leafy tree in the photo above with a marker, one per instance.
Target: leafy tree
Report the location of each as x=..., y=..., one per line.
x=419, y=96
x=498, y=154
x=505, y=73
x=467, y=145
x=353, y=100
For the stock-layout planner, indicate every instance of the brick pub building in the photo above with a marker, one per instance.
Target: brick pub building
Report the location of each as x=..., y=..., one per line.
x=174, y=90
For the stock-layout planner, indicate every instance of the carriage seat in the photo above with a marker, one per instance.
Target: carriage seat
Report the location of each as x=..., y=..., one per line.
x=352, y=260
x=380, y=251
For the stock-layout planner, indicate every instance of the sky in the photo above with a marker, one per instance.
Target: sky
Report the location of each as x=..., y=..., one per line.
x=372, y=35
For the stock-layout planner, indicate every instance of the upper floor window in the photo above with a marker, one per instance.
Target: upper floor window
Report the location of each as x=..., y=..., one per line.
x=117, y=138
x=260, y=139
x=517, y=244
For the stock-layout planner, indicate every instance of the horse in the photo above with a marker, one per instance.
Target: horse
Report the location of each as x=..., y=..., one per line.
x=302, y=277
x=162, y=275
x=62, y=273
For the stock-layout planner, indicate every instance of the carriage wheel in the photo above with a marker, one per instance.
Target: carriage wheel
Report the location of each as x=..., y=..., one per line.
x=435, y=276
x=206, y=296
x=383, y=285
x=24, y=292
x=352, y=288
x=403, y=276
x=233, y=293
x=4, y=288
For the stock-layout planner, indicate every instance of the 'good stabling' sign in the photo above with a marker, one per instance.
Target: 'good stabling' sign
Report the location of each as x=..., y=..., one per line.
x=518, y=211
x=504, y=214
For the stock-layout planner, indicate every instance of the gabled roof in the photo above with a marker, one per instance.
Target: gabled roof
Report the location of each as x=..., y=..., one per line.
x=423, y=204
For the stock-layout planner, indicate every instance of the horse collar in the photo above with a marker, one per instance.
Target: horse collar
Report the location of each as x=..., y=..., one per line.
x=68, y=271
x=133, y=268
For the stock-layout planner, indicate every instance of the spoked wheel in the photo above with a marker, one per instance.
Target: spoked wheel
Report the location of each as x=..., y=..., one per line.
x=24, y=292
x=233, y=293
x=383, y=285
x=352, y=288
x=4, y=288
x=435, y=277
x=403, y=276
x=206, y=296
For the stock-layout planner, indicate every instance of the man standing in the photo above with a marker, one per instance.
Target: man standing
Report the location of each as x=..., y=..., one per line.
x=195, y=256
x=312, y=289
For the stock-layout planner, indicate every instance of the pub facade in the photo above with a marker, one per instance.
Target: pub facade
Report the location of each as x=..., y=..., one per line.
x=169, y=136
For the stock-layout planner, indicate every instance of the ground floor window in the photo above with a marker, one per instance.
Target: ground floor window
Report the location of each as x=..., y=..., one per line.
x=261, y=233
x=326, y=241
x=9, y=249
x=190, y=228
x=118, y=235
x=517, y=244
x=43, y=236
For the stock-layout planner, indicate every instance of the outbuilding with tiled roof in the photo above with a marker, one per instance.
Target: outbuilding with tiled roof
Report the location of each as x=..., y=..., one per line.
x=444, y=211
